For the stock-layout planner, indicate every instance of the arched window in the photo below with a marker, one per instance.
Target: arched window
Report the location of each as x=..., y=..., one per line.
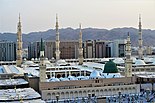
x=48, y=96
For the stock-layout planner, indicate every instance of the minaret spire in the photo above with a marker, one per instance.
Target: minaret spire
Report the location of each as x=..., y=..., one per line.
x=41, y=48
x=42, y=65
x=128, y=61
x=19, y=44
x=19, y=17
x=80, y=47
x=57, y=42
x=140, y=41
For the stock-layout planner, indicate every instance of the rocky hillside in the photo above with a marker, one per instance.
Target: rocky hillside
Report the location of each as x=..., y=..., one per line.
x=88, y=33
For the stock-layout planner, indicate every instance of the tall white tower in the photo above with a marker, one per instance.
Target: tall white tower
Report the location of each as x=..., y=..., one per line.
x=128, y=61
x=19, y=44
x=42, y=66
x=140, y=41
x=80, y=47
x=57, y=42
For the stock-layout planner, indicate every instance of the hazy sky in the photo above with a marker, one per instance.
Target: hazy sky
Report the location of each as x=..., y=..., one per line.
x=39, y=15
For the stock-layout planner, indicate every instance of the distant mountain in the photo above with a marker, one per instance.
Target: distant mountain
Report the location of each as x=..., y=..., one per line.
x=88, y=34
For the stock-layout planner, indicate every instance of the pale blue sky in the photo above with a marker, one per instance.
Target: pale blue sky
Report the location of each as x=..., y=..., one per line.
x=39, y=15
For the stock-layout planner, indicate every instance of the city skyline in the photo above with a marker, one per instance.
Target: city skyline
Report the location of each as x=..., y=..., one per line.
x=106, y=14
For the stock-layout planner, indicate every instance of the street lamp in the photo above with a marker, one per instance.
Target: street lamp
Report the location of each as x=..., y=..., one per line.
x=147, y=94
x=89, y=97
x=57, y=98
x=119, y=96
x=152, y=85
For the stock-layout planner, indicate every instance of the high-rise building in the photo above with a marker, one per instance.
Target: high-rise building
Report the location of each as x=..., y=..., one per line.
x=117, y=48
x=89, y=49
x=69, y=49
x=34, y=50
x=95, y=48
x=100, y=48
x=7, y=51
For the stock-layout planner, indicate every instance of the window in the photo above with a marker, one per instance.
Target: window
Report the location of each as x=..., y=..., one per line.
x=96, y=81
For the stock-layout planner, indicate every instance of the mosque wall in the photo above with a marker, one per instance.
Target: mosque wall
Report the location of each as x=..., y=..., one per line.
x=93, y=91
x=86, y=83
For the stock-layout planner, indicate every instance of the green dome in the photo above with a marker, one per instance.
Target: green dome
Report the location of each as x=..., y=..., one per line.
x=110, y=67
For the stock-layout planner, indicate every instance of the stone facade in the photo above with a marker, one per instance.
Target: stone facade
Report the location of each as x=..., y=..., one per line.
x=81, y=88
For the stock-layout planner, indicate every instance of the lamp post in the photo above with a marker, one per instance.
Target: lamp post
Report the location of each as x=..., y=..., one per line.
x=89, y=97
x=140, y=84
x=119, y=96
x=57, y=98
x=152, y=85
x=147, y=94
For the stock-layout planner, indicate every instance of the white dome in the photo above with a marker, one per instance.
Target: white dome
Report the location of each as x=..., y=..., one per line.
x=95, y=74
x=28, y=62
x=36, y=59
x=47, y=61
x=72, y=78
x=146, y=59
x=133, y=59
x=64, y=79
x=139, y=62
x=111, y=75
x=32, y=59
x=53, y=79
x=61, y=62
x=152, y=59
x=118, y=60
x=82, y=78
x=105, y=59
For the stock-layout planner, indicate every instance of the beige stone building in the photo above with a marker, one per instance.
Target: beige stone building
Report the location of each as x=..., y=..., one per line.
x=81, y=88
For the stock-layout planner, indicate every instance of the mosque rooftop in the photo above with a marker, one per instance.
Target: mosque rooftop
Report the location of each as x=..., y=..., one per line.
x=145, y=74
x=18, y=94
x=27, y=101
x=10, y=69
x=100, y=67
x=12, y=82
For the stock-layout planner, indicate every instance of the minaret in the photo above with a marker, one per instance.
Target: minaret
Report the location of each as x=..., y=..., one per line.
x=128, y=61
x=80, y=48
x=42, y=65
x=140, y=41
x=19, y=44
x=57, y=42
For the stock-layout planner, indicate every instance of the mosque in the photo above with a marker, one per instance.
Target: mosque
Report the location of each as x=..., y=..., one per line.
x=98, y=77
x=80, y=78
